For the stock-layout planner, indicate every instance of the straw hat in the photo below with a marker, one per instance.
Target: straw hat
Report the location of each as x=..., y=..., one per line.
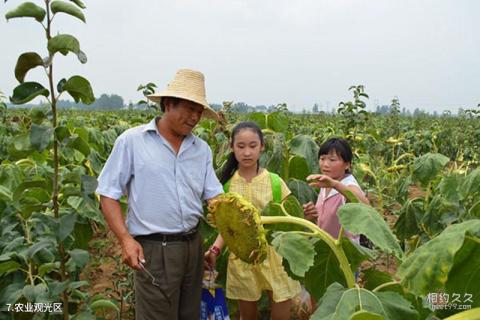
x=188, y=85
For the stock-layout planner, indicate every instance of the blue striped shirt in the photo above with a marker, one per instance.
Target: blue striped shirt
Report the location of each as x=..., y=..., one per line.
x=165, y=190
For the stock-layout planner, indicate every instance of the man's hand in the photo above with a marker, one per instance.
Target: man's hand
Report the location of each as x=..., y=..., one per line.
x=132, y=253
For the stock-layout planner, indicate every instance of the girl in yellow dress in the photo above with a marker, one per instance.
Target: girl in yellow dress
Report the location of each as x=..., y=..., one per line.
x=245, y=282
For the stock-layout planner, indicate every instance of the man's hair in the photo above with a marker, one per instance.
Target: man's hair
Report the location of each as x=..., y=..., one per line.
x=165, y=100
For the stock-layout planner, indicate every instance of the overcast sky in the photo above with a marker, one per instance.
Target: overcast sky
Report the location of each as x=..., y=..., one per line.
x=267, y=52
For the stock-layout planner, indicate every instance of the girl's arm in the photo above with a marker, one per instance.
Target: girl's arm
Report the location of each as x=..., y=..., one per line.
x=323, y=181
x=212, y=254
x=342, y=188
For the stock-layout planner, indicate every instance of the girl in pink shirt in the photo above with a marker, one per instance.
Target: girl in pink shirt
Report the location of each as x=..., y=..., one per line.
x=335, y=160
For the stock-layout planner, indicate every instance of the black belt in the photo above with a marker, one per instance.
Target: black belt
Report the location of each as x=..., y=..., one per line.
x=172, y=237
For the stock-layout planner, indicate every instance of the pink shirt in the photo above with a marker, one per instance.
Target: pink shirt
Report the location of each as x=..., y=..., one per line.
x=327, y=207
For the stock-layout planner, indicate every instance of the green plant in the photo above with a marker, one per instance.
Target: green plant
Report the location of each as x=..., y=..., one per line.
x=49, y=203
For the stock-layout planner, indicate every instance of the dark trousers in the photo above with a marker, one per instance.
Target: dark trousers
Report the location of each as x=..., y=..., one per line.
x=178, y=268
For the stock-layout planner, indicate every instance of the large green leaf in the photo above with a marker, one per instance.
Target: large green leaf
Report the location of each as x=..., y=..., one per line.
x=79, y=257
x=103, y=304
x=27, y=9
x=277, y=121
x=40, y=136
x=325, y=271
x=356, y=253
x=83, y=234
x=365, y=315
x=25, y=62
x=396, y=307
x=449, y=187
x=440, y=212
x=296, y=249
x=79, y=144
x=259, y=118
x=79, y=3
x=88, y=186
x=37, y=293
x=359, y=218
x=20, y=189
x=473, y=314
x=302, y=191
x=80, y=90
x=68, y=8
x=328, y=302
x=373, y=278
x=465, y=274
x=40, y=245
x=343, y=304
x=8, y=266
x=65, y=226
x=426, y=167
x=38, y=115
x=65, y=43
x=298, y=168
x=471, y=184
x=292, y=208
x=407, y=224
x=275, y=158
x=427, y=268
x=28, y=91
x=306, y=147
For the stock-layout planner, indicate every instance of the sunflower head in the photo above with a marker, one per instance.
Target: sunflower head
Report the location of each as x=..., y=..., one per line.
x=238, y=221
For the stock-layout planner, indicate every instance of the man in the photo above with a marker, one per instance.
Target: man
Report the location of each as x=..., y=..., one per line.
x=166, y=172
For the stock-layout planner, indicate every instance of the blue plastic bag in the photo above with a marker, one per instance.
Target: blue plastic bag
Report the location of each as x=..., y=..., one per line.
x=213, y=306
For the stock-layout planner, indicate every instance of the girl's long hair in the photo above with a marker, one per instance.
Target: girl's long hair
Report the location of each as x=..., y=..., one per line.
x=232, y=164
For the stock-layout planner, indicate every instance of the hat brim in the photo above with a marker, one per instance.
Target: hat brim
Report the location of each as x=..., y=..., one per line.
x=208, y=112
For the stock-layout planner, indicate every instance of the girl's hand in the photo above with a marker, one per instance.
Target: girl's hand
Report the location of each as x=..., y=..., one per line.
x=321, y=181
x=210, y=260
x=310, y=211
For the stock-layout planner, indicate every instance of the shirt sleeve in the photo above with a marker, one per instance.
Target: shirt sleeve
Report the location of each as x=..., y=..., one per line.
x=351, y=181
x=212, y=186
x=117, y=171
x=285, y=190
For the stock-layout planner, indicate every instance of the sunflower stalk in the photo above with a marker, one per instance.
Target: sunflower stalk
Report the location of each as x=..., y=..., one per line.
x=316, y=232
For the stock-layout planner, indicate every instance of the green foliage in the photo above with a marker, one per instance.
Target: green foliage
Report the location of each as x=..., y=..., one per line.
x=80, y=90
x=359, y=218
x=441, y=254
x=27, y=9
x=28, y=91
x=65, y=7
x=25, y=62
x=426, y=167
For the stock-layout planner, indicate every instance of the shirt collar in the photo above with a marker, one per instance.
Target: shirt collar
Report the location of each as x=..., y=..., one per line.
x=152, y=126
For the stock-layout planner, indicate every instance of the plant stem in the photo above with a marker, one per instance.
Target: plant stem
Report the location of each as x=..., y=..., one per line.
x=334, y=245
x=384, y=285
x=56, y=161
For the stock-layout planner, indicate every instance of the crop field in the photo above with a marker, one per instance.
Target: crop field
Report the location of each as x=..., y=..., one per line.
x=420, y=173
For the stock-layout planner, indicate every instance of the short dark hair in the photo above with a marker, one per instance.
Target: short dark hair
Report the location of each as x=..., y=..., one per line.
x=339, y=146
x=165, y=100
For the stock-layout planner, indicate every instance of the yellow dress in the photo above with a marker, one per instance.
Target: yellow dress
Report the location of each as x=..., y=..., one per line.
x=246, y=281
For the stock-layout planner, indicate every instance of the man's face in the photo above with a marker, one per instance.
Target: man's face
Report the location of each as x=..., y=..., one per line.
x=184, y=116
